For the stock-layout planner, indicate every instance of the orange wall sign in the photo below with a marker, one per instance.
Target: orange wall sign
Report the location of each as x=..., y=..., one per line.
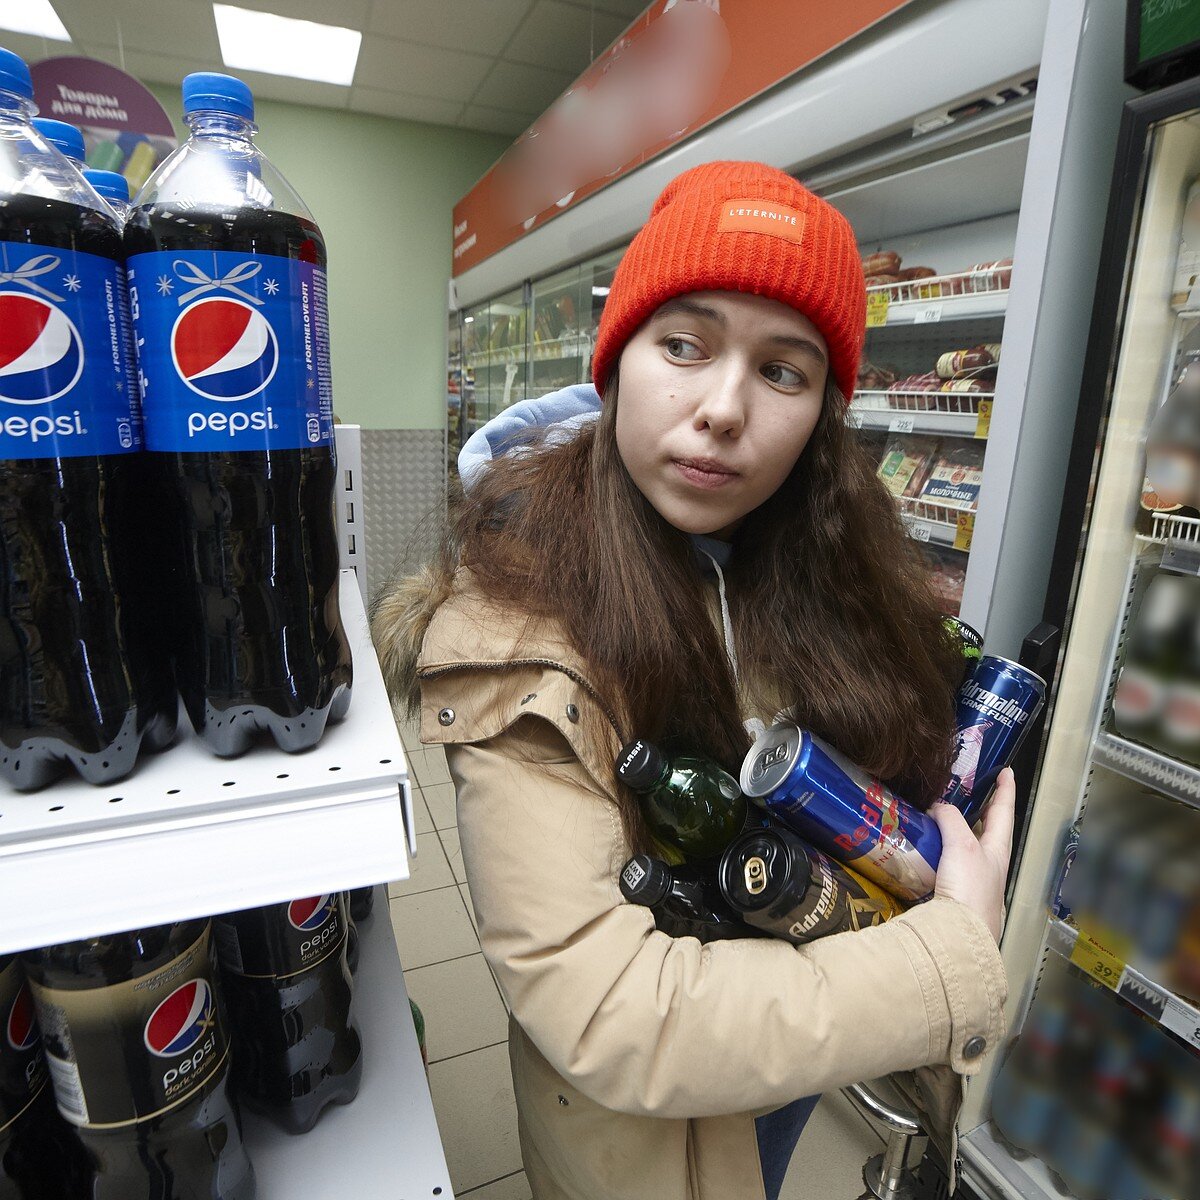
x=678, y=67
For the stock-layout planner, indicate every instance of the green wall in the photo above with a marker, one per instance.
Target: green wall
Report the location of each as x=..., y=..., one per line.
x=382, y=191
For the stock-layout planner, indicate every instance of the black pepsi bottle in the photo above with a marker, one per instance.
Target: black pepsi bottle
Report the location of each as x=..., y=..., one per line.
x=135, y=1038
x=287, y=985
x=80, y=679
x=227, y=290
x=41, y=1158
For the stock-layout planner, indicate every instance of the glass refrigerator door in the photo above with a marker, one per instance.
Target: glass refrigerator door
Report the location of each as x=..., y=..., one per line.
x=1097, y=1093
x=560, y=348
x=460, y=393
x=501, y=378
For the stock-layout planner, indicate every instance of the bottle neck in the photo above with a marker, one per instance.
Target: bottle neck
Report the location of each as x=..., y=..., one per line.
x=15, y=108
x=211, y=124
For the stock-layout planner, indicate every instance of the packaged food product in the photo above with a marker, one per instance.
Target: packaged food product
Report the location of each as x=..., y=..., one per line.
x=874, y=378
x=882, y=262
x=881, y=280
x=900, y=393
x=905, y=465
x=910, y=273
x=948, y=576
x=955, y=477
x=960, y=364
x=1184, y=292
x=990, y=276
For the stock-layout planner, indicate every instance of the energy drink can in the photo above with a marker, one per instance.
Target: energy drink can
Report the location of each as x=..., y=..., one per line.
x=996, y=706
x=842, y=810
x=777, y=883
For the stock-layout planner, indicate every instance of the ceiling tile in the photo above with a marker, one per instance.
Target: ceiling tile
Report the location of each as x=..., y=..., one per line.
x=350, y=14
x=454, y=24
x=151, y=25
x=494, y=120
x=520, y=88
x=419, y=70
x=410, y=108
x=563, y=35
x=150, y=68
x=295, y=91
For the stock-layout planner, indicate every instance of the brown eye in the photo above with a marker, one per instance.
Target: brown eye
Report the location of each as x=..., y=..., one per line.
x=681, y=348
x=783, y=376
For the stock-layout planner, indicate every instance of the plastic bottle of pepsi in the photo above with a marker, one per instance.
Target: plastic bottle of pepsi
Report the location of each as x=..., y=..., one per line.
x=290, y=998
x=80, y=680
x=113, y=189
x=65, y=138
x=227, y=288
x=41, y=1157
x=135, y=1037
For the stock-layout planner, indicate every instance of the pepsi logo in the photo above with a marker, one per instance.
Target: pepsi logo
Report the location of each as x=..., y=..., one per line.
x=41, y=352
x=22, y=1028
x=181, y=1020
x=224, y=349
x=311, y=912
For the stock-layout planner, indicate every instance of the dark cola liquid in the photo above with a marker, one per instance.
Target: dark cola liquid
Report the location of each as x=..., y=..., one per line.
x=82, y=677
x=193, y=1151
x=260, y=640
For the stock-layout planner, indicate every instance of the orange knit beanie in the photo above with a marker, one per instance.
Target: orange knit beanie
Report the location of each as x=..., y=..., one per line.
x=741, y=227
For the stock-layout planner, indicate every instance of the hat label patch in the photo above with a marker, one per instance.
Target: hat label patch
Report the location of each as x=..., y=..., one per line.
x=761, y=216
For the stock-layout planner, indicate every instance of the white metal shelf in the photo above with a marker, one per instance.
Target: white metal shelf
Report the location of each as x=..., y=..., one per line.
x=384, y=1145
x=1152, y=768
x=963, y=296
x=894, y=413
x=1153, y=999
x=188, y=834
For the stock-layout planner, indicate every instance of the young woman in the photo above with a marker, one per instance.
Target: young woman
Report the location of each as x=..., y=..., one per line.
x=710, y=549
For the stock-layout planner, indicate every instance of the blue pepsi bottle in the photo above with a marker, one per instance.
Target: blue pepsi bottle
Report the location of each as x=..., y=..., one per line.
x=112, y=188
x=227, y=288
x=80, y=680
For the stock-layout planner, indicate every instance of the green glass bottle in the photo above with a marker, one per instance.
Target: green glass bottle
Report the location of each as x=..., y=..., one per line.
x=688, y=801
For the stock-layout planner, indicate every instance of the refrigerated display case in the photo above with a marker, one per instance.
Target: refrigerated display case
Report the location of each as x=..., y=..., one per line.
x=1098, y=1092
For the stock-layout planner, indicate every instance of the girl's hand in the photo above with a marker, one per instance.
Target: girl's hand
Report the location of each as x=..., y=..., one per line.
x=973, y=870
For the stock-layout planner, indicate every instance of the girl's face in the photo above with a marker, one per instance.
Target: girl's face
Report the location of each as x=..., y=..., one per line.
x=719, y=393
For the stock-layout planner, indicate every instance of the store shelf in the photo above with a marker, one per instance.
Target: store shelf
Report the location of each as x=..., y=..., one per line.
x=937, y=524
x=967, y=295
x=915, y=412
x=1158, y=1002
x=386, y=1141
x=564, y=349
x=1149, y=767
x=190, y=834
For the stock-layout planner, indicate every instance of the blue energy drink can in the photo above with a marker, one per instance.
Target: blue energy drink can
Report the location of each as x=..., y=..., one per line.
x=996, y=705
x=840, y=809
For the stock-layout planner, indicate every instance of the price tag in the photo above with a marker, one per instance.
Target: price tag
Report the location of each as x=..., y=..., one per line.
x=983, y=422
x=964, y=531
x=1183, y=1020
x=1101, y=964
x=854, y=418
x=877, y=309
x=901, y=424
x=918, y=530
x=928, y=315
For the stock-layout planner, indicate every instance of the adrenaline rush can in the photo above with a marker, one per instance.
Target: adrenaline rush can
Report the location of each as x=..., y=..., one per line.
x=842, y=810
x=996, y=706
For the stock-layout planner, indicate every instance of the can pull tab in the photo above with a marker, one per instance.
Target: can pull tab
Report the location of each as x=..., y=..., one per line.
x=756, y=875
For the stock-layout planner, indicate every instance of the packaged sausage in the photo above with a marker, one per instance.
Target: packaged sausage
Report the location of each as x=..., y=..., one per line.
x=990, y=276
x=911, y=273
x=948, y=577
x=900, y=393
x=905, y=465
x=883, y=262
x=1184, y=292
x=959, y=364
x=955, y=477
x=873, y=378
x=881, y=280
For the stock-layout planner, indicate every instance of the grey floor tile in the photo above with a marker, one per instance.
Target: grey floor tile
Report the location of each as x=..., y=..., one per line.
x=462, y=1006
x=434, y=768
x=427, y=871
x=432, y=927
x=450, y=844
x=511, y=1187
x=829, y=1160
x=421, y=817
x=442, y=807
x=477, y=1116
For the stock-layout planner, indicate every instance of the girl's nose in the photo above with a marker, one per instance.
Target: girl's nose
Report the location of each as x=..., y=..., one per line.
x=722, y=408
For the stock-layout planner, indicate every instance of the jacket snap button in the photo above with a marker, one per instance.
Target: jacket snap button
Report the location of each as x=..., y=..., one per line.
x=975, y=1047
x=531, y=696
x=563, y=1101
x=446, y=716
x=572, y=713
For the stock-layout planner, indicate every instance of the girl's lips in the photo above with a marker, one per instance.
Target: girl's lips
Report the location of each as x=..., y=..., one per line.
x=703, y=475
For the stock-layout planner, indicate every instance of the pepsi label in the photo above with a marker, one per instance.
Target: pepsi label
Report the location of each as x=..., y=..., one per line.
x=232, y=350
x=22, y=1067
x=131, y=1051
x=66, y=383
x=282, y=940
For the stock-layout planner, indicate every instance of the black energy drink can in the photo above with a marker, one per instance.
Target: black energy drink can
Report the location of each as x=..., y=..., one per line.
x=778, y=884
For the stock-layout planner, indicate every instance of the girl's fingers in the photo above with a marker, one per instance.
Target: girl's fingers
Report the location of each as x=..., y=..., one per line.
x=999, y=819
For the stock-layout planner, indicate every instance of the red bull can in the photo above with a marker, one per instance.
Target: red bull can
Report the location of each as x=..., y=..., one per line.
x=996, y=706
x=840, y=809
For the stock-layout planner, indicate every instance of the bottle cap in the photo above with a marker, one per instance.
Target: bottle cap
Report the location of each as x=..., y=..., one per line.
x=645, y=880
x=109, y=184
x=208, y=91
x=14, y=75
x=641, y=765
x=66, y=139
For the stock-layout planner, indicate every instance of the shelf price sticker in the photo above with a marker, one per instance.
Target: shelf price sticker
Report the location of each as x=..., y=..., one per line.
x=918, y=530
x=902, y=424
x=1182, y=1020
x=1097, y=961
x=983, y=422
x=877, y=309
x=927, y=315
x=964, y=531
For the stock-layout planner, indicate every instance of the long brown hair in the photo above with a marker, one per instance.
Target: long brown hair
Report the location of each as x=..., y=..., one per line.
x=830, y=604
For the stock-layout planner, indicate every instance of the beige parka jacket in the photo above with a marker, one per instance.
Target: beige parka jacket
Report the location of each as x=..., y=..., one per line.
x=640, y=1061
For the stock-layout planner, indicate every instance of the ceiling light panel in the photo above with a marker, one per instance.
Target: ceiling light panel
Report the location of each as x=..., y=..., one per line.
x=36, y=17
x=258, y=41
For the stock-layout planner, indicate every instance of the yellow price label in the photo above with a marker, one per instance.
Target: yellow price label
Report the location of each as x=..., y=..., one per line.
x=1097, y=961
x=965, y=531
x=983, y=423
x=877, y=309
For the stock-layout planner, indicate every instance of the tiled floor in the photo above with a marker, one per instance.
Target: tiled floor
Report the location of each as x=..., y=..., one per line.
x=466, y=1024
